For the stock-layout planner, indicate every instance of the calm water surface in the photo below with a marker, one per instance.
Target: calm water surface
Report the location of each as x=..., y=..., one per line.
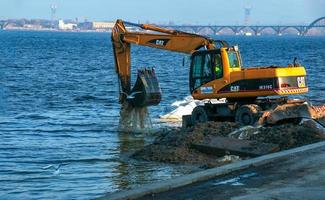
x=58, y=106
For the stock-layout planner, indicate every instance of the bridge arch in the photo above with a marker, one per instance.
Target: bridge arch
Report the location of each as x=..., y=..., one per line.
x=248, y=29
x=191, y=29
x=314, y=24
x=206, y=30
x=227, y=28
x=275, y=29
x=316, y=21
x=298, y=30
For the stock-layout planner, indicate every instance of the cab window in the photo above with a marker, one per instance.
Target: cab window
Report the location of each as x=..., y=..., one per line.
x=197, y=66
x=233, y=59
x=197, y=71
x=207, y=69
x=218, y=66
x=202, y=70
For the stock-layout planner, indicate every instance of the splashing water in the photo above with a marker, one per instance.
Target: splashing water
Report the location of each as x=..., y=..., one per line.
x=134, y=119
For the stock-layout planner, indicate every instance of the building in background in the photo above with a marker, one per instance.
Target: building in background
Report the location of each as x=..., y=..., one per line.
x=67, y=26
x=102, y=25
x=85, y=25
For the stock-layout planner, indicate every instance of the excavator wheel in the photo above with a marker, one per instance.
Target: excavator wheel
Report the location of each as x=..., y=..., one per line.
x=199, y=115
x=248, y=114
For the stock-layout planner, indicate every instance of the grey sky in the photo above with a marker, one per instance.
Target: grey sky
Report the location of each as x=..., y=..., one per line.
x=179, y=11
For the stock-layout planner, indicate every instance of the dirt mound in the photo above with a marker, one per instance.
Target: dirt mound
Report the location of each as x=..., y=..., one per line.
x=289, y=135
x=175, y=146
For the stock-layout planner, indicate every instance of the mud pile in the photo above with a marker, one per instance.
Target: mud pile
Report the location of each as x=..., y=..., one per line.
x=286, y=135
x=175, y=146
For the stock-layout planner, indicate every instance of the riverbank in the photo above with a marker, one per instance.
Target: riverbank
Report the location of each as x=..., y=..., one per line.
x=263, y=178
x=176, y=145
x=299, y=175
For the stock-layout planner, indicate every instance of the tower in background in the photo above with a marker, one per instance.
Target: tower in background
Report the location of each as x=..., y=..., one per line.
x=247, y=19
x=53, y=14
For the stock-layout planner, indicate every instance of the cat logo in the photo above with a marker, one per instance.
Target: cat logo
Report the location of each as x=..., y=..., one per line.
x=234, y=88
x=159, y=42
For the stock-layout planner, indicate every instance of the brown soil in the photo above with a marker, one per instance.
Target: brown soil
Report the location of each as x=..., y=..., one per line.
x=175, y=146
x=289, y=135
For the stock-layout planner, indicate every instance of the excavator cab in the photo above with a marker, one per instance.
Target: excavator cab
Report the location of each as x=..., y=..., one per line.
x=209, y=65
x=205, y=67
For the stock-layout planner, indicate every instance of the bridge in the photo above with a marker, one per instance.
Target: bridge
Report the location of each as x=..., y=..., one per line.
x=255, y=29
x=3, y=24
x=239, y=29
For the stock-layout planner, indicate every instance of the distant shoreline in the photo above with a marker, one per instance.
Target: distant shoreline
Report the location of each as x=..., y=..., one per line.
x=56, y=30
x=109, y=31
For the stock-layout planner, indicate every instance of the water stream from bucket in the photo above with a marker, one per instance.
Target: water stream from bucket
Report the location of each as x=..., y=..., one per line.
x=134, y=115
x=134, y=119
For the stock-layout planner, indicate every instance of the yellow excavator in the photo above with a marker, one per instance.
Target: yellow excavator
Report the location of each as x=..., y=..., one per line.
x=215, y=72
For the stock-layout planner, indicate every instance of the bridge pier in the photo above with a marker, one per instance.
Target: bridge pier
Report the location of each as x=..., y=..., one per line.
x=257, y=30
x=197, y=29
x=3, y=24
x=237, y=29
x=216, y=30
x=303, y=30
x=277, y=29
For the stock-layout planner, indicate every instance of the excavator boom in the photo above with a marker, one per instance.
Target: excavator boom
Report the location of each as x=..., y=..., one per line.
x=171, y=40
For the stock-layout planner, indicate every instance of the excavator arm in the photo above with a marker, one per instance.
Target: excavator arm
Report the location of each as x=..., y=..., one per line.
x=171, y=40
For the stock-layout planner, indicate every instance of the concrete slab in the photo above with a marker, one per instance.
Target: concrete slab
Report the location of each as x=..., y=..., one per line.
x=220, y=145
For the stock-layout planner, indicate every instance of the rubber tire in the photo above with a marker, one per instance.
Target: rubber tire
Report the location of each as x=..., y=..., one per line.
x=186, y=121
x=199, y=115
x=248, y=114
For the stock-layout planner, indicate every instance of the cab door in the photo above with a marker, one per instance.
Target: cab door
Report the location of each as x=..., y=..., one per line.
x=202, y=70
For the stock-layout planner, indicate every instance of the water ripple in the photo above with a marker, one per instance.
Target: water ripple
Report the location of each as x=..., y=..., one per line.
x=59, y=105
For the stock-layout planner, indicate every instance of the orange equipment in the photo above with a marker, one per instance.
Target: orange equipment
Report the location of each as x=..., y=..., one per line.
x=215, y=72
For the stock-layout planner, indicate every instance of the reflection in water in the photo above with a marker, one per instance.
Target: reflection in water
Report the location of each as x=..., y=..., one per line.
x=129, y=142
x=132, y=173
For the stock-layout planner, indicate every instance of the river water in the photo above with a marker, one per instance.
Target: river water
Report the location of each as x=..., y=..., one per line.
x=58, y=107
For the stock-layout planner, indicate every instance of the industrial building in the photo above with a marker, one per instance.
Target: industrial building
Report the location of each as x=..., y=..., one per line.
x=68, y=26
x=102, y=25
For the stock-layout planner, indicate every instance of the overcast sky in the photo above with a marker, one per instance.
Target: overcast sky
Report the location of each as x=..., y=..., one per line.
x=178, y=11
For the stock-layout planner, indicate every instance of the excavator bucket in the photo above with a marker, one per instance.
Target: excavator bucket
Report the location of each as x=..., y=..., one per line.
x=294, y=111
x=146, y=90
